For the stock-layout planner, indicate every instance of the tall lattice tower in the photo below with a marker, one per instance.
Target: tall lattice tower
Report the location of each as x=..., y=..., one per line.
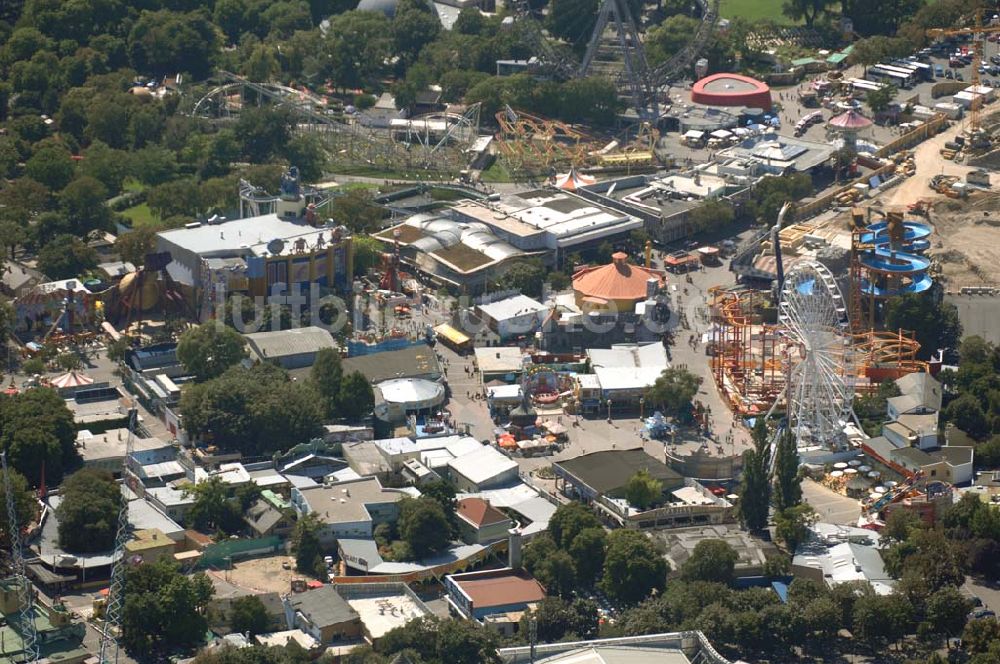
x=25, y=593
x=626, y=44
x=116, y=593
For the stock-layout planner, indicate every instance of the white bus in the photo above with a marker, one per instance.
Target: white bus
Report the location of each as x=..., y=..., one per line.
x=923, y=70
x=888, y=74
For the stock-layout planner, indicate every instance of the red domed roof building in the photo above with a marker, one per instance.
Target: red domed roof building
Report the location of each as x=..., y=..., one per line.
x=732, y=90
x=617, y=286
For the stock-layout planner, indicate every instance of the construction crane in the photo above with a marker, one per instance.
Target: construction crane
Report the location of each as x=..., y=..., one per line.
x=116, y=592
x=25, y=593
x=977, y=32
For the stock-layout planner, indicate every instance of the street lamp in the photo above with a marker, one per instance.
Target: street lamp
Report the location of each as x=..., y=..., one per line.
x=609, y=411
x=642, y=403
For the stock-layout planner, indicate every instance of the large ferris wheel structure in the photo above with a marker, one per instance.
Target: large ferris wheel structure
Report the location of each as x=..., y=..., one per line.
x=821, y=365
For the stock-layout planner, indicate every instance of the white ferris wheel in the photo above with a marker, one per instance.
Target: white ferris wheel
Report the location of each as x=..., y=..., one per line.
x=822, y=370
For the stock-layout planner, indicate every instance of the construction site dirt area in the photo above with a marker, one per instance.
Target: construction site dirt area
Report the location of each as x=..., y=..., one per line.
x=965, y=240
x=262, y=574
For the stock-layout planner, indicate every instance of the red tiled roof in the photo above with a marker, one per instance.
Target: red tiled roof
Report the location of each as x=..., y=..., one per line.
x=479, y=512
x=502, y=589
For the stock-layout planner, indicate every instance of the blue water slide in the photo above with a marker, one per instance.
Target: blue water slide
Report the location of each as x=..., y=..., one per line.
x=904, y=261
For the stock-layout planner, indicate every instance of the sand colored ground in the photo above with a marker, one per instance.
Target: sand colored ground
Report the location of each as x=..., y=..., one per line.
x=262, y=574
x=966, y=242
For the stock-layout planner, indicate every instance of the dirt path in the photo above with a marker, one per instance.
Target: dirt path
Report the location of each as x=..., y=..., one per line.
x=929, y=162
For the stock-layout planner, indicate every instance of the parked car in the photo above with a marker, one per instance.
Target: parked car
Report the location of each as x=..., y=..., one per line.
x=949, y=74
x=981, y=613
x=958, y=76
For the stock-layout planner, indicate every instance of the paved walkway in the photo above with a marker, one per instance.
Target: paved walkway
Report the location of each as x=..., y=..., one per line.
x=829, y=505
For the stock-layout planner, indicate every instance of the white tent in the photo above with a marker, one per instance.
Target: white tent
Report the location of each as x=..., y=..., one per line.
x=722, y=134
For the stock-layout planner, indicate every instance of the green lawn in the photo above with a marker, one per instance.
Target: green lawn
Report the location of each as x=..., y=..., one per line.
x=132, y=185
x=497, y=172
x=141, y=215
x=754, y=10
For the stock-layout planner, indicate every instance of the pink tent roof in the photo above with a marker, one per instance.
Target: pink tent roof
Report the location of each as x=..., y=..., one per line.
x=572, y=181
x=850, y=120
x=72, y=379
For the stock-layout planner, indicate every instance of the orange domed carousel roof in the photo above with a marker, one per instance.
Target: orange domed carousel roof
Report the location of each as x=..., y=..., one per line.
x=617, y=281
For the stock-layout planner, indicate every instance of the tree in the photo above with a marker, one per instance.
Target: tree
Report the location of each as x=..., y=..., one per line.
x=412, y=29
x=263, y=132
x=51, y=165
x=164, y=609
x=587, y=551
x=327, y=374
x=755, y=488
x=878, y=100
x=787, y=483
x=68, y=361
x=946, y=611
x=209, y=349
x=356, y=209
x=37, y=431
x=980, y=635
x=935, y=324
x=367, y=253
x=25, y=506
x=526, y=277
x=643, y=490
x=871, y=408
x=356, y=47
x=711, y=216
x=966, y=413
x=424, y=526
x=66, y=257
x=792, y=524
x=88, y=512
x=568, y=521
x=83, y=203
x=572, y=20
x=632, y=567
x=881, y=619
x=673, y=391
x=804, y=10
x=443, y=492
x=712, y=560
x=557, y=573
x=166, y=42
x=134, y=245
x=306, y=544
x=213, y=509
x=556, y=619
x=669, y=37
x=436, y=640
x=257, y=410
x=249, y=616
x=356, y=398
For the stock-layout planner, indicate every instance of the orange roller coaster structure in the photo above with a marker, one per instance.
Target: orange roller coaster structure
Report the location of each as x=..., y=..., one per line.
x=749, y=357
x=746, y=353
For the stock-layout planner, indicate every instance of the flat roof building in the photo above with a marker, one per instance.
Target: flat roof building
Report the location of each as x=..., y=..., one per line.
x=417, y=361
x=349, y=509
x=291, y=349
x=382, y=607
x=252, y=255
x=513, y=316
x=599, y=478
x=547, y=219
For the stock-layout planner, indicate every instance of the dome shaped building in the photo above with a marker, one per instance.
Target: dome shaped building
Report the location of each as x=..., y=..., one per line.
x=618, y=286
